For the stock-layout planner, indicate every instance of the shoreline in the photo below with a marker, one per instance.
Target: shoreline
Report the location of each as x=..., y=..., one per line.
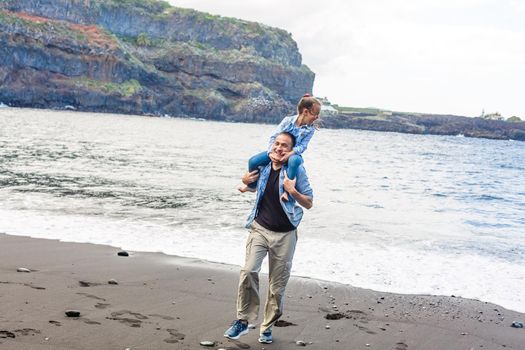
x=497, y=130
x=169, y=302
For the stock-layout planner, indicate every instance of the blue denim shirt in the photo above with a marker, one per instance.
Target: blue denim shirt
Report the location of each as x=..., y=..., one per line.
x=302, y=134
x=293, y=211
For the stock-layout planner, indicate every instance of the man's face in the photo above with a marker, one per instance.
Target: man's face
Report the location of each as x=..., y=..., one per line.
x=282, y=145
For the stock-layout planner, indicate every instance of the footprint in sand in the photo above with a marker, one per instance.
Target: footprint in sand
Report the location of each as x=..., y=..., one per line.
x=101, y=305
x=88, y=321
x=401, y=346
x=132, y=322
x=7, y=334
x=34, y=287
x=24, y=284
x=364, y=329
x=88, y=284
x=164, y=317
x=92, y=296
x=239, y=344
x=26, y=331
x=282, y=323
x=175, y=336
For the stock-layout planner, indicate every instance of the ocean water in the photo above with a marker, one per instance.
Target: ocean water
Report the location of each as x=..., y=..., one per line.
x=392, y=212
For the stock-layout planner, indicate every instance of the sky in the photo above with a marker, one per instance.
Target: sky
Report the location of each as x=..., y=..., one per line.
x=448, y=56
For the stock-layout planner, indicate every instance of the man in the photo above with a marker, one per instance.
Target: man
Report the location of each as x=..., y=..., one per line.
x=273, y=225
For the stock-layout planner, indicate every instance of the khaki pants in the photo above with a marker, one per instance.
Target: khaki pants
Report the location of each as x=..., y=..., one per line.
x=280, y=247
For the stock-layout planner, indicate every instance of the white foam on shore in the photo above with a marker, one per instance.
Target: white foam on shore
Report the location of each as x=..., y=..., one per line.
x=389, y=268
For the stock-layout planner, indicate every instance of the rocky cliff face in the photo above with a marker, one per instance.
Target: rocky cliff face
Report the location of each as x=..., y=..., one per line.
x=146, y=57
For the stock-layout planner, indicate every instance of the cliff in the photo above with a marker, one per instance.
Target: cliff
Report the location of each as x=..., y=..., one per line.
x=146, y=57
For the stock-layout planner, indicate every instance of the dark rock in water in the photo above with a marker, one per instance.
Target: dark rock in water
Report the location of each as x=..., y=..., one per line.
x=112, y=281
x=23, y=269
x=334, y=316
x=123, y=253
x=517, y=324
x=72, y=313
x=207, y=343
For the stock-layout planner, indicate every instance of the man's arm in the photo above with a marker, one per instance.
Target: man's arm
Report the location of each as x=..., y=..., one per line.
x=303, y=200
x=248, y=178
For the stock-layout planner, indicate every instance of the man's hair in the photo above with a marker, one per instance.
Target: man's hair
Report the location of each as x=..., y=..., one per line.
x=288, y=134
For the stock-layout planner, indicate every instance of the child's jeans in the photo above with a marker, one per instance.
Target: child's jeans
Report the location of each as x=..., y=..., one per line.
x=262, y=159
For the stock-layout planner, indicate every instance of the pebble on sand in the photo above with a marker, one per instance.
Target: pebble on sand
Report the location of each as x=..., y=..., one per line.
x=517, y=324
x=123, y=253
x=112, y=281
x=23, y=269
x=300, y=343
x=207, y=343
x=72, y=313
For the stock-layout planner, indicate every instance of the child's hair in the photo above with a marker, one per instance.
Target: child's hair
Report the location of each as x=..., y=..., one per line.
x=307, y=102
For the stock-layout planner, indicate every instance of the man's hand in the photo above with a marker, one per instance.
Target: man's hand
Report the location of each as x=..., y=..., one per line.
x=250, y=177
x=274, y=157
x=289, y=185
x=287, y=155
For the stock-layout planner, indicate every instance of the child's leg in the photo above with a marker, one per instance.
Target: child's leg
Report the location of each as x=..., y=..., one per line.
x=294, y=162
x=260, y=159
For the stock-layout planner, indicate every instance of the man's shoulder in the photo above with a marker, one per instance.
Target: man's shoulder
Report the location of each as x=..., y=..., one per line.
x=301, y=170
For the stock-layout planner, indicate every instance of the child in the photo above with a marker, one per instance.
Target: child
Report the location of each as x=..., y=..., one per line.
x=301, y=126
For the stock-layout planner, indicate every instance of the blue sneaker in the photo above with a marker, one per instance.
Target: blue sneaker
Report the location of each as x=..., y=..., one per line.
x=237, y=329
x=266, y=337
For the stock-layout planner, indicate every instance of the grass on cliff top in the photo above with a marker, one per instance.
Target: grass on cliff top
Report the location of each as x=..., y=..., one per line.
x=149, y=6
x=126, y=89
x=162, y=10
x=350, y=110
x=93, y=35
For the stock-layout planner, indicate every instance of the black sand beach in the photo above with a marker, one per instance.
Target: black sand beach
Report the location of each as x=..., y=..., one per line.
x=166, y=302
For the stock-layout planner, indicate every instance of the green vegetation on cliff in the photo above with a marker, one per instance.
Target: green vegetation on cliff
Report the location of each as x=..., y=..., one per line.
x=126, y=89
x=514, y=119
x=148, y=6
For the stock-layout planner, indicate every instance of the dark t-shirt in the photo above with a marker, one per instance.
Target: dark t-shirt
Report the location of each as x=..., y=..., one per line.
x=270, y=214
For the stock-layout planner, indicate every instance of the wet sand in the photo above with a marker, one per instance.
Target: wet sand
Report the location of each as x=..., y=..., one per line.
x=166, y=302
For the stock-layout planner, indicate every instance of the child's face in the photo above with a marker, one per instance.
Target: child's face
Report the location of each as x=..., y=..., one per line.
x=312, y=114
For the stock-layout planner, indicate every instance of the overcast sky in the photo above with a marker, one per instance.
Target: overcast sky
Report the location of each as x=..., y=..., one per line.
x=436, y=56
